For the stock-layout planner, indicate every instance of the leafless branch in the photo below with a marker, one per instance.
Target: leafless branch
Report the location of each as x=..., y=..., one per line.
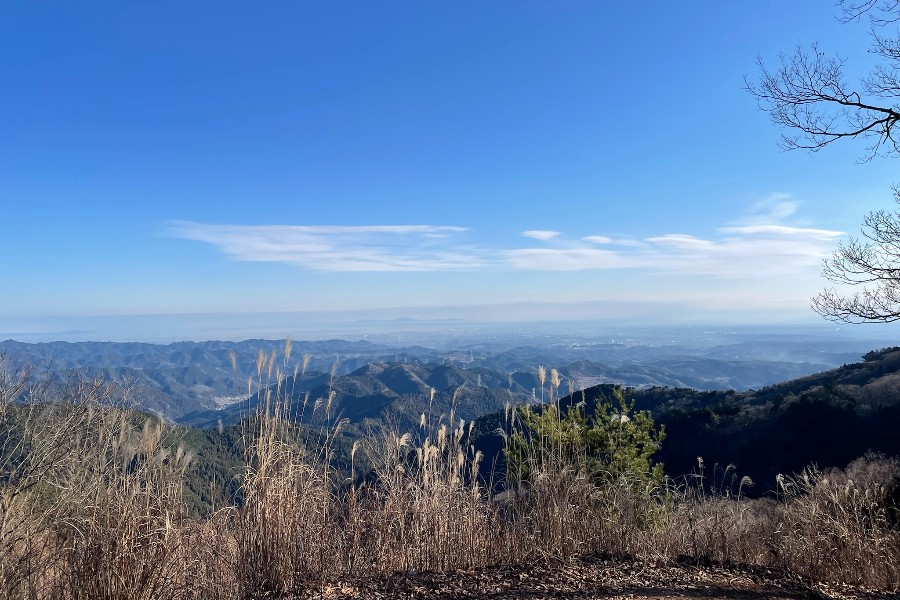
x=880, y=12
x=808, y=96
x=872, y=262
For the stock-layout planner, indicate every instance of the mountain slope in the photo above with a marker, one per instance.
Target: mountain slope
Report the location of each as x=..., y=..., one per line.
x=181, y=379
x=828, y=419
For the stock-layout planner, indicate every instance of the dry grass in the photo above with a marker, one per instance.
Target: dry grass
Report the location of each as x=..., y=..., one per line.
x=91, y=498
x=121, y=517
x=837, y=526
x=91, y=506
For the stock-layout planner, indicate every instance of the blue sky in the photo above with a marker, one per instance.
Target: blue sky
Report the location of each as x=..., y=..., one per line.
x=204, y=157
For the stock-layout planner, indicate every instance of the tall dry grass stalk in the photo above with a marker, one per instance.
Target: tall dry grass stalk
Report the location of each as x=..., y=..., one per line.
x=123, y=530
x=286, y=525
x=90, y=498
x=840, y=525
x=300, y=523
x=91, y=503
x=426, y=508
x=277, y=484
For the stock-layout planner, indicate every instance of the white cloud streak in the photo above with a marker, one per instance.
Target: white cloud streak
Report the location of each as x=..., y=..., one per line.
x=758, y=246
x=569, y=259
x=776, y=207
x=340, y=248
x=605, y=239
x=598, y=239
x=540, y=234
x=781, y=230
x=735, y=252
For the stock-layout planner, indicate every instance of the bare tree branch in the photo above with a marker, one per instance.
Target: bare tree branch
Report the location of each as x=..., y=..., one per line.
x=872, y=262
x=808, y=96
x=880, y=12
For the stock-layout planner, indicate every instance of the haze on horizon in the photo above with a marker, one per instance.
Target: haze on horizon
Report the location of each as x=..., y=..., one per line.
x=501, y=162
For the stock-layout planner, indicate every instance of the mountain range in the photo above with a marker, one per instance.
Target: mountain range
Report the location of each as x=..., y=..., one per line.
x=201, y=383
x=827, y=419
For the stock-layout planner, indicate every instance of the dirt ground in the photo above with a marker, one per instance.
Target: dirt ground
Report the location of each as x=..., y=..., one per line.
x=590, y=577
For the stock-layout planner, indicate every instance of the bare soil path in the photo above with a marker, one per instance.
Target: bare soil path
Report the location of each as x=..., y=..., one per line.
x=591, y=577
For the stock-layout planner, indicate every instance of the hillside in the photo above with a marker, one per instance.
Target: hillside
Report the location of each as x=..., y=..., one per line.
x=395, y=392
x=189, y=381
x=179, y=378
x=365, y=510
x=403, y=388
x=828, y=418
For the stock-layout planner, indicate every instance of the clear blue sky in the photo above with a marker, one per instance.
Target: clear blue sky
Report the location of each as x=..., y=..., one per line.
x=180, y=157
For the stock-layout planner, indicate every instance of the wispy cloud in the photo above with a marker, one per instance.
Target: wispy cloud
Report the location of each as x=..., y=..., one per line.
x=761, y=244
x=782, y=230
x=681, y=241
x=569, y=259
x=340, y=248
x=598, y=239
x=758, y=245
x=605, y=239
x=776, y=207
x=540, y=234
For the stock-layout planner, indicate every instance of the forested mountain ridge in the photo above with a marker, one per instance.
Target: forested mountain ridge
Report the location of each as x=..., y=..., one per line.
x=178, y=378
x=189, y=381
x=828, y=419
x=378, y=391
